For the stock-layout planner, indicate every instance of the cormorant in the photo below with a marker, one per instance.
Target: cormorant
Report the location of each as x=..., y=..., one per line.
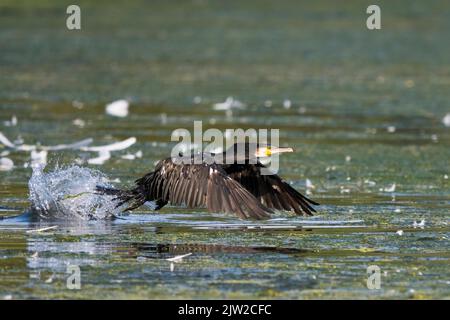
x=234, y=186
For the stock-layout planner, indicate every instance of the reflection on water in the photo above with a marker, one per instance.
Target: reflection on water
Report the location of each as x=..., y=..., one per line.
x=133, y=251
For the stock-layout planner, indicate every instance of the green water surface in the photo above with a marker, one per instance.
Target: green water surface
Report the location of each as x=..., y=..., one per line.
x=349, y=88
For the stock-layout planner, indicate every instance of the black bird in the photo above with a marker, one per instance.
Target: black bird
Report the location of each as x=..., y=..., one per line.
x=233, y=185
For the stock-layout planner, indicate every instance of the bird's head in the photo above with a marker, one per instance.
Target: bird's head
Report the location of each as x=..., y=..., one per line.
x=250, y=151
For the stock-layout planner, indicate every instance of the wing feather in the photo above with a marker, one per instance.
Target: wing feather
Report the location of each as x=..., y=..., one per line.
x=270, y=190
x=201, y=185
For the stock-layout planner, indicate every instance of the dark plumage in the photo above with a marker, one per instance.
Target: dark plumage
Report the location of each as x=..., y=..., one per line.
x=235, y=187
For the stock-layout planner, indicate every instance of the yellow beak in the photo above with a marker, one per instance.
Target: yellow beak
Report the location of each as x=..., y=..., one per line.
x=280, y=150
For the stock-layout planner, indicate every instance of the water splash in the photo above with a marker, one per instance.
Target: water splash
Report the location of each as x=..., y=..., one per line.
x=69, y=193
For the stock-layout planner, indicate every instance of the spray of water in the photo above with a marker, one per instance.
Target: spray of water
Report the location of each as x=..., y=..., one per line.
x=69, y=193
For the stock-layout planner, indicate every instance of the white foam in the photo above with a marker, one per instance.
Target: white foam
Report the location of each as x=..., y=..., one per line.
x=79, y=123
x=118, y=108
x=103, y=156
x=116, y=146
x=6, y=164
x=39, y=158
x=420, y=224
x=179, y=258
x=391, y=188
x=25, y=147
x=446, y=120
x=5, y=141
x=287, y=103
x=228, y=104
x=11, y=123
x=70, y=193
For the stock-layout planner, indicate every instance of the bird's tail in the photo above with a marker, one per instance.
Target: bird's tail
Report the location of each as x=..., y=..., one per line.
x=133, y=197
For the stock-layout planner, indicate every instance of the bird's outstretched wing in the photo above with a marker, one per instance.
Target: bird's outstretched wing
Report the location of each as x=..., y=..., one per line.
x=271, y=190
x=201, y=185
